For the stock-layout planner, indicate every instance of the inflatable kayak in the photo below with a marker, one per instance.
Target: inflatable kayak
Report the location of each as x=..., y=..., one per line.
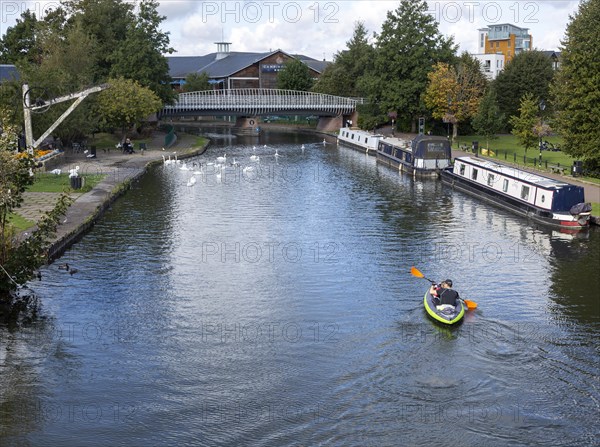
x=445, y=313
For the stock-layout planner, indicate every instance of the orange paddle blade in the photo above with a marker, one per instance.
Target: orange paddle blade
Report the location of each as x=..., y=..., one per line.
x=415, y=272
x=470, y=304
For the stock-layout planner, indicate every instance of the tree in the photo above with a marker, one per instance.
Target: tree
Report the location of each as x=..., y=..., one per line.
x=488, y=120
x=295, y=75
x=19, y=259
x=125, y=104
x=528, y=72
x=140, y=56
x=405, y=51
x=454, y=92
x=340, y=77
x=195, y=82
x=576, y=89
x=19, y=41
x=106, y=22
x=524, y=123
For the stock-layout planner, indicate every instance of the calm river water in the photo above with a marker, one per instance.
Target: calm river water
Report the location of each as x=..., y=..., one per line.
x=275, y=307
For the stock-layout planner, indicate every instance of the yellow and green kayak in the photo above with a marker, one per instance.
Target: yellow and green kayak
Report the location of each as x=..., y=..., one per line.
x=446, y=314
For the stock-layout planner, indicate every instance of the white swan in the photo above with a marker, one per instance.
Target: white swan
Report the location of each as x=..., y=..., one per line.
x=302, y=147
x=184, y=167
x=191, y=181
x=248, y=169
x=222, y=159
x=276, y=153
x=254, y=158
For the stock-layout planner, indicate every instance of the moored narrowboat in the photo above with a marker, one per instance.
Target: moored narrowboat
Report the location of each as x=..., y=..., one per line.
x=542, y=199
x=425, y=155
x=359, y=139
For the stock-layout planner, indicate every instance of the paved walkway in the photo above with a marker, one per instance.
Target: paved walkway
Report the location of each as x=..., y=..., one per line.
x=88, y=207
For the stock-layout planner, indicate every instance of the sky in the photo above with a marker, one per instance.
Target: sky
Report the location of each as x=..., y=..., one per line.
x=320, y=29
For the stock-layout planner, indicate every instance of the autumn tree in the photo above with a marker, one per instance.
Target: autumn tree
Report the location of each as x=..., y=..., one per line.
x=126, y=104
x=524, y=123
x=454, y=92
x=576, y=88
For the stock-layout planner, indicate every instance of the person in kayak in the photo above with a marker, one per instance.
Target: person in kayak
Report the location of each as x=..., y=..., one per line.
x=444, y=294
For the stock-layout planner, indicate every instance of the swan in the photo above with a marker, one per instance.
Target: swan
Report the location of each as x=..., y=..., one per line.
x=302, y=147
x=191, y=181
x=222, y=159
x=254, y=158
x=276, y=153
x=184, y=167
x=324, y=142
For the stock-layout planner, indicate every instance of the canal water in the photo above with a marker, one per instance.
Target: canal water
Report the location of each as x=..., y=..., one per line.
x=274, y=306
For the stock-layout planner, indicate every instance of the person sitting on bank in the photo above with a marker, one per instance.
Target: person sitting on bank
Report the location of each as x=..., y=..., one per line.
x=444, y=294
x=127, y=147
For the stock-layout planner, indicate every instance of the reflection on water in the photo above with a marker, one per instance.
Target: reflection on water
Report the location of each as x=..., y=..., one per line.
x=275, y=306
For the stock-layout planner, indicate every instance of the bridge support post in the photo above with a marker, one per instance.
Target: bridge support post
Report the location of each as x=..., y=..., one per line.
x=330, y=123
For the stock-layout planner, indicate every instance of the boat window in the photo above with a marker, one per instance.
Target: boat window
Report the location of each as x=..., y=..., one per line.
x=525, y=192
x=462, y=169
x=543, y=198
x=366, y=140
x=352, y=137
x=474, y=174
x=490, y=179
x=505, y=185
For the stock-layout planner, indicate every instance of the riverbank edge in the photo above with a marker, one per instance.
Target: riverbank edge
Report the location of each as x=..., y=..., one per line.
x=86, y=223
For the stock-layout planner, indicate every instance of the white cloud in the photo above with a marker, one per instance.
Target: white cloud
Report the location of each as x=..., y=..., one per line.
x=322, y=27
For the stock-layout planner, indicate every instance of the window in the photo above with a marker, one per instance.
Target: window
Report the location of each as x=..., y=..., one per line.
x=474, y=174
x=525, y=192
x=462, y=169
x=366, y=140
x=505, y=185
x=543, y=198
x=490, y=179
x=509, y=43
x=352, y=137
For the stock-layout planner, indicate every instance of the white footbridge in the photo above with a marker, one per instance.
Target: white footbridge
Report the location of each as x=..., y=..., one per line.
x=260, y=102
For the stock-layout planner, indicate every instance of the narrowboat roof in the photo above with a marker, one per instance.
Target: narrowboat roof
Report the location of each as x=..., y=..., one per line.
x=362, y=132
x=511, y=171
x=398, y=142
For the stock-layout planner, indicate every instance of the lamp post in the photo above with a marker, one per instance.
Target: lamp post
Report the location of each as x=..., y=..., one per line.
x=542, y=107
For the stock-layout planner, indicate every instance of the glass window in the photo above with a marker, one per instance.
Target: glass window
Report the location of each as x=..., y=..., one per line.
x=490, y=179
x=525, y=192
x=366, y=140
x=474, y=174
x=543, y=198
x=462, y=169
x=505, y=185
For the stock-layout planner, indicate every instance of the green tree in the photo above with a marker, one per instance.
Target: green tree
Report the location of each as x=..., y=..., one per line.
x=19, y=259
x=488, y=120
x=295, y=75
x=19, y=41
x=405, y=51
x=524, y=123
x=528, y=72
x=126, y=104
x=576, y=89
x=195, y=82
x=454, y=92
x=106, y=22
x=340, y=77
x=140, y=56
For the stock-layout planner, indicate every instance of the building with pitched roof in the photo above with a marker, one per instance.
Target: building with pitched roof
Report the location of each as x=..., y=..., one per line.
x=229, y=69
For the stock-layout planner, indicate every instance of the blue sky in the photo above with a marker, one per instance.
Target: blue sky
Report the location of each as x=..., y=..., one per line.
x=321, y=28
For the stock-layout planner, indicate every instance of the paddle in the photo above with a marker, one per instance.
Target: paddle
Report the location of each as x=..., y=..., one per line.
x=470, y=304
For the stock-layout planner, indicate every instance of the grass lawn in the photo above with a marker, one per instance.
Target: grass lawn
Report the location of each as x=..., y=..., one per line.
x=19, y=222
x=45, y=182
x=199, y=142
x=104, y=140
x=507, y=148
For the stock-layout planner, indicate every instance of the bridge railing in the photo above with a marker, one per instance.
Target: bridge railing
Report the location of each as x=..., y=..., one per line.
x=259, y=101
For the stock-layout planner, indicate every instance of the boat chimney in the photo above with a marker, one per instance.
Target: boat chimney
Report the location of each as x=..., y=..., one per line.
x=222, y=50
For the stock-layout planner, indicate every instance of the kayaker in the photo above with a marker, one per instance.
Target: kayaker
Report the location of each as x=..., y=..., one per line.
x=444, y=294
